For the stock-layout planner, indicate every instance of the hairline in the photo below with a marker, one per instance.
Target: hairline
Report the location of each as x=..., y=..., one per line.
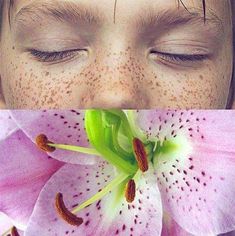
x=2, y=3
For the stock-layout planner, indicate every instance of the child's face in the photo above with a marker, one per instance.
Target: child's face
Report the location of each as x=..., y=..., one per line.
x=63, y=54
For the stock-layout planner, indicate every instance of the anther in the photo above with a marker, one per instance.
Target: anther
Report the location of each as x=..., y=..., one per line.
x=130, y=191
x=14, y=232
x=64, y=213
x=42, y=142
x=140, y=154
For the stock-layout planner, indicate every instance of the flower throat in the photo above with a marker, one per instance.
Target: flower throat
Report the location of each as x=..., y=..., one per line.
x=113, y=136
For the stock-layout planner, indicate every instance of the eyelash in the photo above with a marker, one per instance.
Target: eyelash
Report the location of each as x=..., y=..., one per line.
x=69, y=54
x=54, y=56
x=181, y=57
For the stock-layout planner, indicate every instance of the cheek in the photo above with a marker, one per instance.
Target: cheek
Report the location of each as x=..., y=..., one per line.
x=28, y=87
x=206, y=89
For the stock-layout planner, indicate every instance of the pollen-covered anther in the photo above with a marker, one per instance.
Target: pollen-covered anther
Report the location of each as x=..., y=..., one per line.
x=64, y=213
x=140, y=155
x=130, y=191
x=14, y=232
x=42, y=142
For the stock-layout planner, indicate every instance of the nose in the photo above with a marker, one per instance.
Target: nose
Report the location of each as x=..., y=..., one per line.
x=118, y=95
x=112, y=94
x=117, y=84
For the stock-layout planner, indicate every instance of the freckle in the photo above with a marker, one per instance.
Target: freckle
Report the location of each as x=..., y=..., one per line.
x=13, y=48
x=47, y=73
x=201, y=76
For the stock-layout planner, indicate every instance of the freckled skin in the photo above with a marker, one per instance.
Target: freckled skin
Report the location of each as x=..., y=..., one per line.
x=117, y=72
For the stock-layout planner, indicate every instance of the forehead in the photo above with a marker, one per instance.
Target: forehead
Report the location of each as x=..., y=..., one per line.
x=125, y=9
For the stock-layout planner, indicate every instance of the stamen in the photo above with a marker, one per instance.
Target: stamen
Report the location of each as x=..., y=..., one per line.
x=42, y=142
x=112, y=185
x=65, y=213
x=84, y=150
x=14, y=232
x=130, y=191
x=140, y=155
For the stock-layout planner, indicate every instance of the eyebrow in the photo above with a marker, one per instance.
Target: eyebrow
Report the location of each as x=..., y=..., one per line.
x=68, y=11
x=59, y=11
x=179, y=17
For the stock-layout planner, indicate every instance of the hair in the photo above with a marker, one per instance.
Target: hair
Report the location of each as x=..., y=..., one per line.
x=231, y=98
x=1, y=12
x=11, y=3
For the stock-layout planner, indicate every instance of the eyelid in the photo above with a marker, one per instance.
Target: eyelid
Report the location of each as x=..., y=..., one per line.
x=175, y=47
x=192, y=56
x=56, y=56
x=178, y=60
x=48, y=43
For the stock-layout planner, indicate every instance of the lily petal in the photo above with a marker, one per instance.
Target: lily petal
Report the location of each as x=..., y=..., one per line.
x=5, y=223
x=7, y=124
x=23, y=172
x=111, y=215
x=229, y=234
x=170, y=227
x=197, y=178
x=195, y=125
x=61, y=127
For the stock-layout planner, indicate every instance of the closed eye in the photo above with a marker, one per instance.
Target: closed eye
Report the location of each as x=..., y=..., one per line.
x=56, y=56
x=180, y=57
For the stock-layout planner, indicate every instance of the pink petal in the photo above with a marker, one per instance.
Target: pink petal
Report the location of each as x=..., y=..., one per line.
x=170, y=227
x=195, y=125
x=105, y=217
x=23, y=172
x=7, y=125
x=61, y=127
x=197, y=183
x=6, y=225
x=229, y=234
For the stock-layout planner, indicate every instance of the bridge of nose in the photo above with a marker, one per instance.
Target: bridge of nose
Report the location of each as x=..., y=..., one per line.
x=117, y=80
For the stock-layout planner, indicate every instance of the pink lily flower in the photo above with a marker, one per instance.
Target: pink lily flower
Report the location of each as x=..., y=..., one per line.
x=181, y=162
x=24, y=169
